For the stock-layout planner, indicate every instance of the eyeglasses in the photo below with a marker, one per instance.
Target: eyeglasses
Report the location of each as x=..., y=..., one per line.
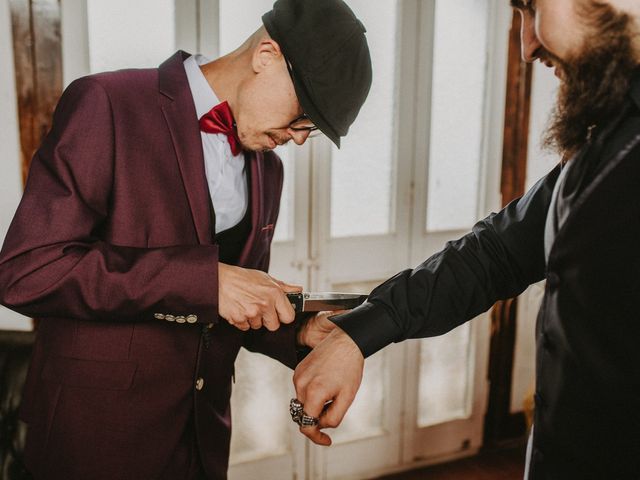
x=304, y=124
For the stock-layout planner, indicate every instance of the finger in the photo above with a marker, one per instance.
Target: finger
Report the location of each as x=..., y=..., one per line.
x=288, y=287
x=255, y=323
x=270, y=320
x=313, y=433
x=284, y=309
x=316, y=436
x=299, y=384
x=244, y=326
x=335, y=412
x=315, y=400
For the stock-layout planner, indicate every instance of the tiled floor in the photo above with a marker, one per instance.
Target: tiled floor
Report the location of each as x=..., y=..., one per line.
x=497, y=465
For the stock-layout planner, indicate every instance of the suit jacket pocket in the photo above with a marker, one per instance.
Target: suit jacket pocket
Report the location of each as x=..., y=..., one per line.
x=77, y=372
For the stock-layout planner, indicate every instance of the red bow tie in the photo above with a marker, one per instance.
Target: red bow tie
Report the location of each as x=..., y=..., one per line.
x=220, y=120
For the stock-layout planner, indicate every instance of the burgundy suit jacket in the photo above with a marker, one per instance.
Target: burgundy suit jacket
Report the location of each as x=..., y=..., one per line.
x=113, y=229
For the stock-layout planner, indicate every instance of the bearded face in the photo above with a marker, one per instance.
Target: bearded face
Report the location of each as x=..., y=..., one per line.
x=594, y=82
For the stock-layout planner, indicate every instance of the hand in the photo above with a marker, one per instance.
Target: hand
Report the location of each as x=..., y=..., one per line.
x=252, y=299
x=332, y=372
x=316, y=328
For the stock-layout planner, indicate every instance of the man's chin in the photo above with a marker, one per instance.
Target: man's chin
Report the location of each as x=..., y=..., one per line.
x=255, y=147
x=261, y=145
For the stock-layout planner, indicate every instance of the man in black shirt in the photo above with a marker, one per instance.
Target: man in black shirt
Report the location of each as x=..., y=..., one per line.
x=578, y=227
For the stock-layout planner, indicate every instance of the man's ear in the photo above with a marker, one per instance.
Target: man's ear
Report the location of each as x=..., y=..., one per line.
x=266, y=53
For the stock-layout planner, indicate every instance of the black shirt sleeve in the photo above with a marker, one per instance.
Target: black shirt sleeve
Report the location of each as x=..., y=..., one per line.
x=498, y=259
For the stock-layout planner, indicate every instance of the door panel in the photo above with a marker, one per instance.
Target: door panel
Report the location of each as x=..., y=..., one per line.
x=419, y=166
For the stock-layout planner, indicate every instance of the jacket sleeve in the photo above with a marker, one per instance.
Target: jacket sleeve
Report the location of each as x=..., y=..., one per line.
x=279, y=345
x=53, y=262
x=498, y=259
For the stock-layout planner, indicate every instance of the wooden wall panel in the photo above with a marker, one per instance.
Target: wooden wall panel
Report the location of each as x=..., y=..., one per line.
x=38, y=69
x=37, y=51
x=24, y=72
x=517, y=113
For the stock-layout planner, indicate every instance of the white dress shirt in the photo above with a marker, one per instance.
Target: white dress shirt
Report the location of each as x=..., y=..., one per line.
x=225, y=172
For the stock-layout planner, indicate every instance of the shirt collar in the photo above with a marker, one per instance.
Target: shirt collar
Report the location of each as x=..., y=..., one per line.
x=203, y=96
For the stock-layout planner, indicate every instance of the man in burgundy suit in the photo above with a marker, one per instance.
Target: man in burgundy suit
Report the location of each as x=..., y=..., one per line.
x=141, y=244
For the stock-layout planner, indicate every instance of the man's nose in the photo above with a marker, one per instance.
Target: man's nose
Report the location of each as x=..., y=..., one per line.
x=299, y=136
x=530, y=45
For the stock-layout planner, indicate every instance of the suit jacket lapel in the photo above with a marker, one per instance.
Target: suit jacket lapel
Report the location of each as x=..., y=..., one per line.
x=180, y=114
x=257, y=204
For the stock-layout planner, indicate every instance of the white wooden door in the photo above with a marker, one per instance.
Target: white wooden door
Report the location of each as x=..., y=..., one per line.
x=419, y=167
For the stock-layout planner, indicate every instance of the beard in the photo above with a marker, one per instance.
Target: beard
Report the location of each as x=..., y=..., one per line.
x=595, y=83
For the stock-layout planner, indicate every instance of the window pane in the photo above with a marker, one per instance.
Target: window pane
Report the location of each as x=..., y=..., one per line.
x=238, y=20
x=363, y=170
x=125, y=34
x=260, y=408
x=284, y=228
x=444, y=377
x=365, y=416
x=460, y=60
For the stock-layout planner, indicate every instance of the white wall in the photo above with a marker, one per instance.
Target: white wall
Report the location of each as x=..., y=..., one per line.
x=10, y=181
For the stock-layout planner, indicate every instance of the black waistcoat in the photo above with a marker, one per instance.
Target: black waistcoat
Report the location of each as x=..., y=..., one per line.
x=231, y=241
